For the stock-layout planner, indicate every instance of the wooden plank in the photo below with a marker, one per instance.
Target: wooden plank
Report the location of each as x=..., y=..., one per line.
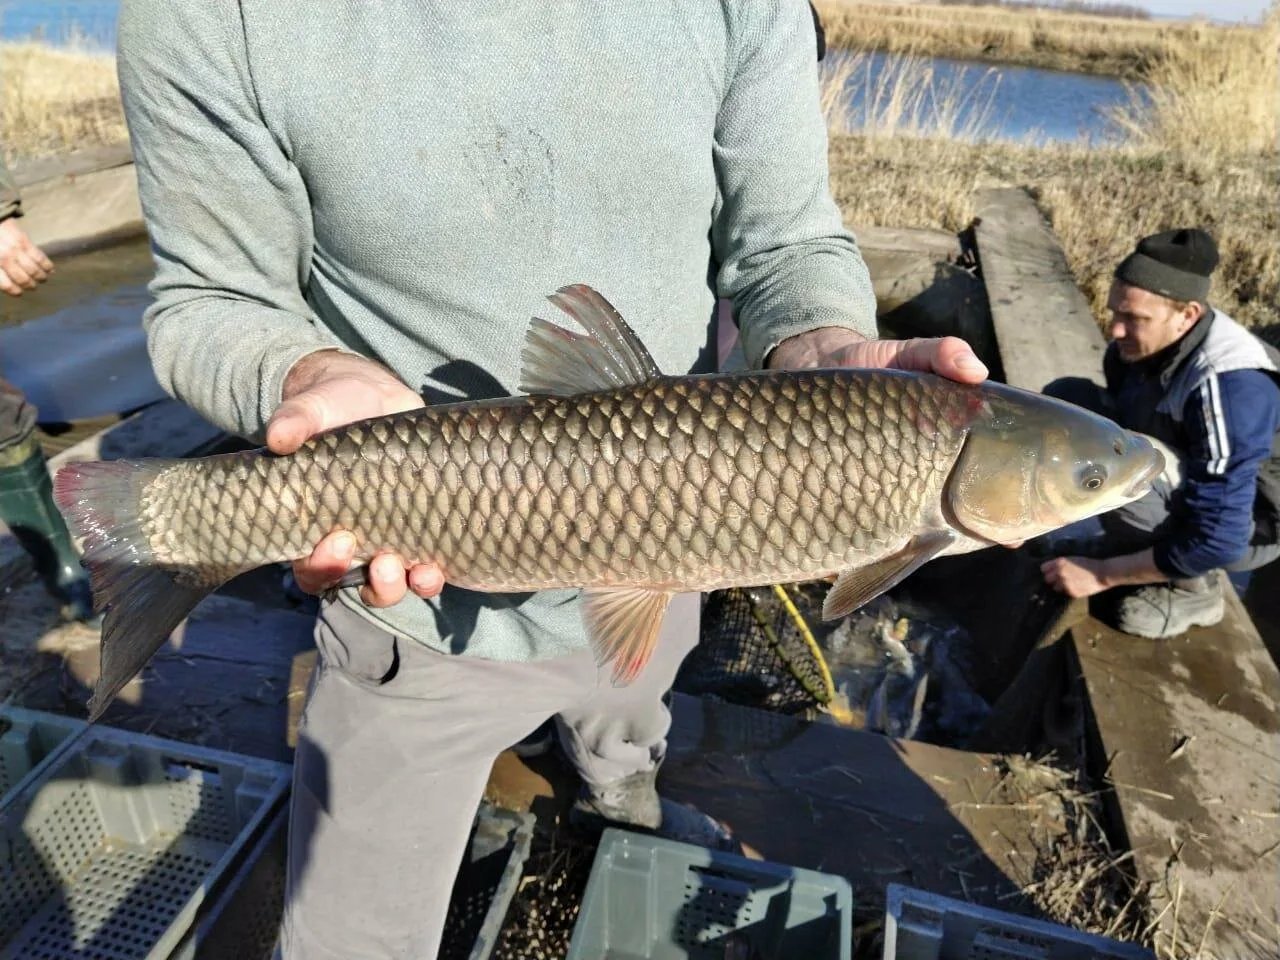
x=73, y=164
x=78, y=211
x=1190, y=727
x=1043, y=324
x=940, y=245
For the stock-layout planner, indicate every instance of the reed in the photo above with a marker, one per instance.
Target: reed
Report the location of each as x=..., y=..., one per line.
x=1042, y=38
x=56, y=99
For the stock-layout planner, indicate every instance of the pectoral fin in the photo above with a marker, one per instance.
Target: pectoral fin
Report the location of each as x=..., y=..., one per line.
x=855, y=587
x=623, y=625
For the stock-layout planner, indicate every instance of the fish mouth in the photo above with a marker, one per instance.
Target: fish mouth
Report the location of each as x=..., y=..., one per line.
x=1142, y=482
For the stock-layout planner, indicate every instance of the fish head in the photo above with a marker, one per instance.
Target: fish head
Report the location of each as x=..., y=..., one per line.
x=1031, y=464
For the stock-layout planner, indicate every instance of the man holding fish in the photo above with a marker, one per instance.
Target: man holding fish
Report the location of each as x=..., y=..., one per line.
x=347, y=220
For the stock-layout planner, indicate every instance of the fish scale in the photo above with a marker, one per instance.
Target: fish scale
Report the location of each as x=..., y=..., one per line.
x=534, y=492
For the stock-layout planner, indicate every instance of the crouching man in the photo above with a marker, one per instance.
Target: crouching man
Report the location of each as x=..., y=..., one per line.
x=1188, y=375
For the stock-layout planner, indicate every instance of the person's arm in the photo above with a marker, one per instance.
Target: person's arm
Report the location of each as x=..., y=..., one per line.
x=226, y=210
x=1231, y=423
x=23, y=265
x=786, y=260
x=10, y=201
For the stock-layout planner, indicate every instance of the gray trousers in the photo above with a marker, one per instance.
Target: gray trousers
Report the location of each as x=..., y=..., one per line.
x=394, y=751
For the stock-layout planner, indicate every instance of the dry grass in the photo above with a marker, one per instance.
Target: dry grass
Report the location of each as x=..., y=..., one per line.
x=56, y=100
x=1099, y=202
x=1043, y=38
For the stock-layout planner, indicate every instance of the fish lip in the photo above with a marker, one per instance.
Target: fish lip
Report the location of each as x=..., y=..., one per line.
x=1142, y=483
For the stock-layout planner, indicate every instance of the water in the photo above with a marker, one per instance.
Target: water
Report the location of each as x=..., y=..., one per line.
x=1004, y=102
x=87, y=23
x=75, y=345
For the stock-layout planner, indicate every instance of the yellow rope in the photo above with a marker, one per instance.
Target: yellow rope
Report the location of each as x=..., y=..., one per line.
x=843, y=714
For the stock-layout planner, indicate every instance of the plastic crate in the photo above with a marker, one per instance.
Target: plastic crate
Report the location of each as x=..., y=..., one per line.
x=29, y=738
x=926, y=926
x=109, y=849
x=244, y=921
x=654, y=899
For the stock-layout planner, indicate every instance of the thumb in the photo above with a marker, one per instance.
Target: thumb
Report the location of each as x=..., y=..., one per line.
x=292, y=424
x=955, y=359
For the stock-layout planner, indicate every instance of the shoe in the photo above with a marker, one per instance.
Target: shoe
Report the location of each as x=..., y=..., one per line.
x=633, y=803
x=1162, y=610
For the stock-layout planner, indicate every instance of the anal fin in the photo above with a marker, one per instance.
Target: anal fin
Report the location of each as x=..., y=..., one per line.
x=623, y=624
x=855, y=587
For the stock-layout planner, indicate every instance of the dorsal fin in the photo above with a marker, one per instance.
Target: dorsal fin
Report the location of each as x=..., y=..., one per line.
x=608, y=355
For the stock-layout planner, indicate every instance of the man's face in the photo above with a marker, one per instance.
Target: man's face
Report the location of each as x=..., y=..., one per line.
x=1144, y=323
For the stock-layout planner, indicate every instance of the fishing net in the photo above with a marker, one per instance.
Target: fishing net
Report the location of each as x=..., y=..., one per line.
x=758, y=649
x=893, y=666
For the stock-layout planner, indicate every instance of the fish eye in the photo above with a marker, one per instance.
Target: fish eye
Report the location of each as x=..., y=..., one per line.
x=1092, y=477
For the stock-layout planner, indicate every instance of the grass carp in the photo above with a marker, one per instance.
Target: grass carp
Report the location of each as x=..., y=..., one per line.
x=608, y=476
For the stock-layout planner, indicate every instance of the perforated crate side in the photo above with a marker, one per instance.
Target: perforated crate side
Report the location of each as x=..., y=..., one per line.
x=28, y=740
x=111, y=848
x=244, y=920
x=486, y=883
x=653, y=899
x=920, y=925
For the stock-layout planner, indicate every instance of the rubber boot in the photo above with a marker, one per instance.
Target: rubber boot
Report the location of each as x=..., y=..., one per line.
x=27, y=508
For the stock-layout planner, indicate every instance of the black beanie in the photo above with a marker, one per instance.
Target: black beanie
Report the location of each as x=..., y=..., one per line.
x=1175, y=264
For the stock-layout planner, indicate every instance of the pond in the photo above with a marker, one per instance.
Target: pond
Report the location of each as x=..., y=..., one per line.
x=896, y=93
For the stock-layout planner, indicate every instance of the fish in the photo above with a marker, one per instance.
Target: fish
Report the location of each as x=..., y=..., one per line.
x=604, y=474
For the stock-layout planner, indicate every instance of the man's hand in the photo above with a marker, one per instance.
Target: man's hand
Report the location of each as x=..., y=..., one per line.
x=330, y=389
x=949, y=357
x=1075, y=576
x=23, y=265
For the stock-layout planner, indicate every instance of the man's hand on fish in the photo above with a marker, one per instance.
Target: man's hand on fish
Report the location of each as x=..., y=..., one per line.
x=330, y=389
x=948, y=357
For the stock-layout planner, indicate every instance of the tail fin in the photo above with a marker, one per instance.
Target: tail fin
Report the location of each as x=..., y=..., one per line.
x=101, y=501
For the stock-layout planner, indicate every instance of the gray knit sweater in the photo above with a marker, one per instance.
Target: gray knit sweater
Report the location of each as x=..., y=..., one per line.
x=409, y=178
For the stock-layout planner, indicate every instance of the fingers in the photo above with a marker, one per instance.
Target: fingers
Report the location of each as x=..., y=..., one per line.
x=293, y=422
x=14, y=268
x=948, y=357
x=34, y=263
x=387, y=581
x=8, y=286
x=328, y=562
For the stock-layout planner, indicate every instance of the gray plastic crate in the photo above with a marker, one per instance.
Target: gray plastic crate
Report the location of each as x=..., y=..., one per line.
x=654, y=899
x=926, y=926
x=29, y=738
x=109, y=850
x=243, y=922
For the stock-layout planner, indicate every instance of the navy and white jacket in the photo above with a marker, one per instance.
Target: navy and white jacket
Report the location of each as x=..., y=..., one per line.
x=1214, y=396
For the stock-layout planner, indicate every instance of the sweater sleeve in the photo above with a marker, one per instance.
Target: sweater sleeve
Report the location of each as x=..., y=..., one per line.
x=786, y=260
x=1231, y=420
x=10, y=203
x=227, y=213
